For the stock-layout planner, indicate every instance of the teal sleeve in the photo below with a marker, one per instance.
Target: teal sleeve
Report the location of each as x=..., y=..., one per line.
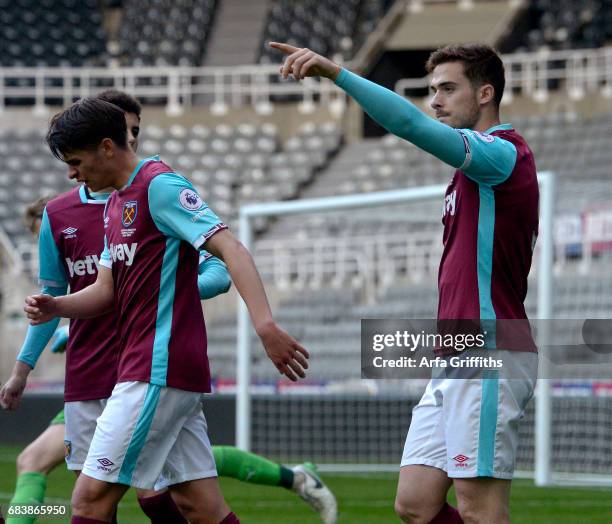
x=60, y=339
x=178, y=211
x=38, y=337
x=402, y=118
x=490, y=160
x=484, y=158
x=213, y=277
x=51, y=268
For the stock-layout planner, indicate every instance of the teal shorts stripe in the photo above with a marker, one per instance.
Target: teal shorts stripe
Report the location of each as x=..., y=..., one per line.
x=488, y=424
x=143, y=424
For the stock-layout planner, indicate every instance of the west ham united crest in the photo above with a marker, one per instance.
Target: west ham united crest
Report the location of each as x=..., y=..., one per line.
x=130, y=210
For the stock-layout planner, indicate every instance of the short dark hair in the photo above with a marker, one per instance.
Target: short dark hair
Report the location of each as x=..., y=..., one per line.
x=122, y=100
x=34, y=212
x=481, y=64
x=84, y=125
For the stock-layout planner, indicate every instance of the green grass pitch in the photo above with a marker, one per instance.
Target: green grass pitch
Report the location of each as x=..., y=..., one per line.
x=362, y=499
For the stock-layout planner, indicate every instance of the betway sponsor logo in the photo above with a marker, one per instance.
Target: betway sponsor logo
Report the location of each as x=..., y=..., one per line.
x=86, y=266
x=123, y=252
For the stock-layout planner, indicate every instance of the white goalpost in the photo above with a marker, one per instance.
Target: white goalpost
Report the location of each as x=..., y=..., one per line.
x=542, y=467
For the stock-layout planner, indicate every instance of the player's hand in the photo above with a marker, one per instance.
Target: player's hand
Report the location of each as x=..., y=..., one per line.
x=289, y=357
x=302, y=62
x=60, y=340
x=40, y=308
x=11, y=392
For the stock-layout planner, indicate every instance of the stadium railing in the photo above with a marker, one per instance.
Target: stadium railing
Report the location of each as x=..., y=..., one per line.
x=578, y=72
x=375, y=263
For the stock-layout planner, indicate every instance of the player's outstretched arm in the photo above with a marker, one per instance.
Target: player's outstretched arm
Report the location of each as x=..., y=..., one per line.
x=392, y=111
x=92, y=301
x=289, y=357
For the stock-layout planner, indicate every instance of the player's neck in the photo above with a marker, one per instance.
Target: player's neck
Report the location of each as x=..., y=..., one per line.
x=486, y=121
x=127, y=168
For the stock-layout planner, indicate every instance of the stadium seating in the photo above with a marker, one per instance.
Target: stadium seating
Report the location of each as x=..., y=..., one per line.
x=568, y=24
x=228, y=165
x=30, y=172
x=233, y=165
x=575, y=148
x=329, y=27
x=51, y=33
x=246, y=163
x=165, y=33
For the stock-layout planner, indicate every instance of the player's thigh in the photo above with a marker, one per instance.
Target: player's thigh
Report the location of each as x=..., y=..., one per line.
x=44, y=453
x=421, y=491
x=200, y=500
x=483, y=499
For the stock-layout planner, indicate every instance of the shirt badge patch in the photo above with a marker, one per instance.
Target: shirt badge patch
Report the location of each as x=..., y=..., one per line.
x=485, y=138
x=130, y=210
x=190, y=200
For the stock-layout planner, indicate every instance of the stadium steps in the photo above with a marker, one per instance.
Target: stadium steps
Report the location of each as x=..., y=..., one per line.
x=342, y=169
x=236, y=33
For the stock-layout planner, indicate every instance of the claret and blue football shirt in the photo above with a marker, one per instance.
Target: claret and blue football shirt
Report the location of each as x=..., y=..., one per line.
x=490, y=207
x=154, y=227
x=71, y=234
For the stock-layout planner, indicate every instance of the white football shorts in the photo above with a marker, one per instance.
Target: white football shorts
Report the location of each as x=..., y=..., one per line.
x=80, y=419
x=150, y=437
x=469, y=427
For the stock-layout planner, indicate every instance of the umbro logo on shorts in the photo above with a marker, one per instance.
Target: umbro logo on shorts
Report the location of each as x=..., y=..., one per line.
x=105, y=464
x=460, y=461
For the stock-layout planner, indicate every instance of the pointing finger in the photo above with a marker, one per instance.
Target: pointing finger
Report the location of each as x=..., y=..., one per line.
x=285, y=48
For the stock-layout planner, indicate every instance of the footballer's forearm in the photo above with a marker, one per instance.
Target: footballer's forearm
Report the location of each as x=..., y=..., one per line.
x=245, y=276
x=402, y=118
x=92, y=301
x=21, y=369
x=248, y=283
